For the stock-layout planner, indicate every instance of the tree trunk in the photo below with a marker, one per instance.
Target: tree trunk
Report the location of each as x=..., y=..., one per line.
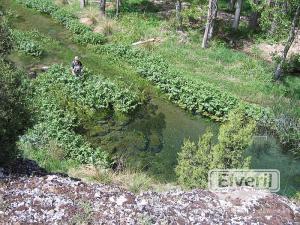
x=211, y=17
x=117, y=7
x=82, y=3
x=231, y=4
x=273, y=27
x=253, y=20
x=291, y=38
x=238, y=8
x=102, y=7
x=178, y=14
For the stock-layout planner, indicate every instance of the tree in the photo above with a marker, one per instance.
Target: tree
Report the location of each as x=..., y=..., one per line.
x=231, y=4
x=178, y=7
x=235, y=136
x=211, y=17
x=238, y=8
x=254, y=16
x=82, y=3
x=118, y=3
x=102, y=5
x=194, y=162
x=291, y=38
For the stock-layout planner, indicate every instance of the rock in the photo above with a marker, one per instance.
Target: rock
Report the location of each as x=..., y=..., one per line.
x=86, y=21
x=2, y=175
x=32, y=74
x=25, y=200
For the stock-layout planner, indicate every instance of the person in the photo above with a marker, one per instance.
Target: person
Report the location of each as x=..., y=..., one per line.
x=76, y=66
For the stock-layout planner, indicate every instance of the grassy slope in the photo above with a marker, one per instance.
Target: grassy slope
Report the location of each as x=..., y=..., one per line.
x=245, y=76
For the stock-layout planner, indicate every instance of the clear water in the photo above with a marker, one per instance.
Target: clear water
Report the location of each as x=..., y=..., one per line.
x=174, y=124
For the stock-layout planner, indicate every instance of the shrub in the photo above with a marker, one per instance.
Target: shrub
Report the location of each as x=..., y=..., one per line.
x=76, y=27
x=289, y=130
x=5, y=39
x=25, y=44
x=196, y=97
x=83, y=33
x=62, y=16
x=235, y=136
x=63, y=103
x=43, y=6
x=195, y=160
x=14, y=116
x=89, y=38
x=293, y=63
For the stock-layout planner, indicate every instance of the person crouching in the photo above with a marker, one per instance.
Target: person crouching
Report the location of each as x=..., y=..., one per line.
x=76, y=66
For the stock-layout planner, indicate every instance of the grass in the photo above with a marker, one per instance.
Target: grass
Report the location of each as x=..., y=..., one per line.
x=247, y=77
x=135, y=181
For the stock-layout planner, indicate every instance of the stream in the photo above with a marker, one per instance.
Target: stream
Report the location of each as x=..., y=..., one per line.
x=168, y=124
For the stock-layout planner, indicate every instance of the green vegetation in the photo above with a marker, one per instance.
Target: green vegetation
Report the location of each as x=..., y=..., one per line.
x=77, y=120
x=5, y=39
x=24, y=43
x=197, y=97
x=64, y=103
x=14, y=117
x=84, y=34
x=195, y=160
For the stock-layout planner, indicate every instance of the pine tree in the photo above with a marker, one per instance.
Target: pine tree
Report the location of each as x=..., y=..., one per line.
x=194, y=162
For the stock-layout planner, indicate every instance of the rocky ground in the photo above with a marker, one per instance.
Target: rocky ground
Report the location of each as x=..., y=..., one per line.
x=34, y=197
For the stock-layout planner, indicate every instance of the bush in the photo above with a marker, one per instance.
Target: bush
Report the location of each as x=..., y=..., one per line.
x=14, y=116
x=235, y=136
x=62, y=16
x=195, y=160
x=76, y=27
x=25, y=44
x=289, y=130
x=89, y=38
x=83, y=33
x=43, y=6
x=293, y=63
x=196, y=97
x=5, y=39
x=63, y=103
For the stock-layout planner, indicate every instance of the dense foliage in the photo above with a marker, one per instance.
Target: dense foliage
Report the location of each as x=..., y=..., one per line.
x=5, y=39
x=83, y=33
x=63, y=103
x=275, y=17
x=195, y=160
x=14, y=117
x=24, y=42
x=197, y=97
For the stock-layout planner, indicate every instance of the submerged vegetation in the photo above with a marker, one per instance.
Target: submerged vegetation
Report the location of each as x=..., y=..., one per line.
x=106, y=117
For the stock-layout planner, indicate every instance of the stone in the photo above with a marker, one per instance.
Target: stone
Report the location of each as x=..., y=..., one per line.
x=86, y=21
x=27, y=201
